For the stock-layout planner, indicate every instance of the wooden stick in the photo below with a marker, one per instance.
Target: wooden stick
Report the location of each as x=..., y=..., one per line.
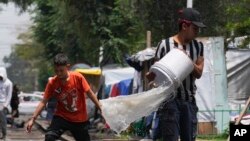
x=148, y=39
x=243, y=112
x=145, y=64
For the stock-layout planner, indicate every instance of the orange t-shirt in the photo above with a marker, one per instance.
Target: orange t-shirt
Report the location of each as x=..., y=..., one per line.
x=71, y=104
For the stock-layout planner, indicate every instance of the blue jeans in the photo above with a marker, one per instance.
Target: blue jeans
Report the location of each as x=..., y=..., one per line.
x=176, y=120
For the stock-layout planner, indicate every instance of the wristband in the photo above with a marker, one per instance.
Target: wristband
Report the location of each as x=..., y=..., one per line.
x=33, y=117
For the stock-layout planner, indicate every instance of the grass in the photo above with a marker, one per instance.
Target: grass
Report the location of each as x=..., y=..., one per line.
x=221, y=137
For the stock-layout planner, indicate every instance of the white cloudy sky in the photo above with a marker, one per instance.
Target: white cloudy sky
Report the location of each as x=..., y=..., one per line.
x=12, y=23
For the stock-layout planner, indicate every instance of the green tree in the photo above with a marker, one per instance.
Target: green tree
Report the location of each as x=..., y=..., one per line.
x=161, y=16
x=28, y=68
x=79, y=28
x=214, y=16
x=239, y=22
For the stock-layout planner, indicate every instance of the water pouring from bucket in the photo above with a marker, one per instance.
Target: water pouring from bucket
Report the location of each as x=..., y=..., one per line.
x=168, y=73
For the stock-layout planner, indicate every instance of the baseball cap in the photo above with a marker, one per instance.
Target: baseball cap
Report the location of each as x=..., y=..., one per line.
x=192, y=15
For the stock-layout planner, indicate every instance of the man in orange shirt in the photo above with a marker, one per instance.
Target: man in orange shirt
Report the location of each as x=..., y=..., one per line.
x=69, y=88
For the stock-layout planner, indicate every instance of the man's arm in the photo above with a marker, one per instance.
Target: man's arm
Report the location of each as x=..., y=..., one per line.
x=198, y=67
x=93, y=97
x=39, y=108
x=37, y=112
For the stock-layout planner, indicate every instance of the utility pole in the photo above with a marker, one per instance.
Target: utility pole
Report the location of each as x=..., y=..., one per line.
x=189, y=3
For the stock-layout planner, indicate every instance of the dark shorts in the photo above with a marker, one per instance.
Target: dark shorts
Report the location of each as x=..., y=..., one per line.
x=59, y=125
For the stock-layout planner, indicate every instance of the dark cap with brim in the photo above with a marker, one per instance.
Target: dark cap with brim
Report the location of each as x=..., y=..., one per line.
x=193, y=16
x=199, y=24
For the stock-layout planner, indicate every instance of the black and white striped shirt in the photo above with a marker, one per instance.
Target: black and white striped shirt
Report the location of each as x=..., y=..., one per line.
x=194, y=49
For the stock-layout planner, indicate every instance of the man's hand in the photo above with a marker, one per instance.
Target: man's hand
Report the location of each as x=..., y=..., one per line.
x=150, y=76
x=198, y=67
x=39, y=108
x=30, y=124
x=152, y=85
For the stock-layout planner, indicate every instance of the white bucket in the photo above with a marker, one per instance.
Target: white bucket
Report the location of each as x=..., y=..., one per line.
x=175, y=66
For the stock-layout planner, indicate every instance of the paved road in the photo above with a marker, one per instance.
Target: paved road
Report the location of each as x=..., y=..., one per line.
x=19, y=134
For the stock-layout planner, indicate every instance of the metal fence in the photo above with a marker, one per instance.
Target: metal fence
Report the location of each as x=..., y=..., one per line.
x=217, y=124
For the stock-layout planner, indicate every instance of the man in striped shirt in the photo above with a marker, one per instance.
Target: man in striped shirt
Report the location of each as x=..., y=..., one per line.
x=179, y=117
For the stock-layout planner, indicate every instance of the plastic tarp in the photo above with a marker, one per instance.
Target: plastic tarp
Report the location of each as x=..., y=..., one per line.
x=136, y=60
x=143, y=55
x=238, y=66
x=205, y=86
x=125, y=87
x=211, y=94
x=113, y=76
